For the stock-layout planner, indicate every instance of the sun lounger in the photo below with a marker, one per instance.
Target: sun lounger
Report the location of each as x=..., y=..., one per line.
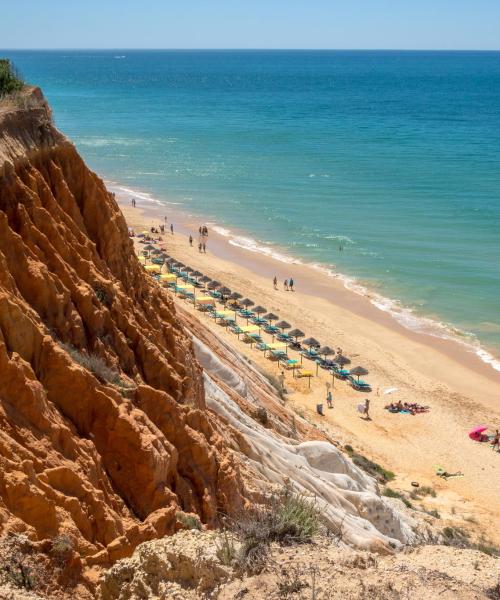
x=305, y=373
x=258, y=321
x=291, y=363
x=271, y=329
x=341, y=373
x=278, y=354
x=283, y=337
x=310, y=354
x=359, y=384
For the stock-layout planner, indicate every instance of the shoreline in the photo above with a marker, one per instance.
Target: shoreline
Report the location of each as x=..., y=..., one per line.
x=461, y=390
x=335, y=287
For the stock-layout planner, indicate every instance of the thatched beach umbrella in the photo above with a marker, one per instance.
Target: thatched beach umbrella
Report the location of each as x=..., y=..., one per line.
x=149, y=247
x=246, y=302
x=259, y=310
x=311, y=342
x=213, y=285
x=283, y=325
x=326, y=351
x=296, y=333
x=342, y=360
x=359, y=371
x=196, y=274
x=224, y=292
x=156, y=251
x=271, y=317
x=235, y=296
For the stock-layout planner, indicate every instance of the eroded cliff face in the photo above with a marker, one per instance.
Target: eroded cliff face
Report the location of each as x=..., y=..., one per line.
x=104, y=433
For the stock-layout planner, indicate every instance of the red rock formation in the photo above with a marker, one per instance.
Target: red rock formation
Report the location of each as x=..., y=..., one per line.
x=109, y=454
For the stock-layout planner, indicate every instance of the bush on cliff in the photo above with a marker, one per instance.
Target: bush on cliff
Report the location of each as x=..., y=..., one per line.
x=287, y=517
x=9, y=78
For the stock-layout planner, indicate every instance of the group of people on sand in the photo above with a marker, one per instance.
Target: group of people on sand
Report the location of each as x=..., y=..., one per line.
x=287, y=284
x=411, y=408
x=202, y=239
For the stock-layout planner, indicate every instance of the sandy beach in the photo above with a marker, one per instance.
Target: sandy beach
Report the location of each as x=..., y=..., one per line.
x=461, y=390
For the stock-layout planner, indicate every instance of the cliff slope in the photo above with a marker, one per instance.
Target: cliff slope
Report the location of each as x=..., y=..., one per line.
x=104, y=433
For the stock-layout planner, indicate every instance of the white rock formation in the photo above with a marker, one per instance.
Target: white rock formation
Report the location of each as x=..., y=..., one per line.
x=348, y=497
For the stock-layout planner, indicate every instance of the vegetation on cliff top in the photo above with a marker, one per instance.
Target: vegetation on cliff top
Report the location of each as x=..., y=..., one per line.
x=10, y=81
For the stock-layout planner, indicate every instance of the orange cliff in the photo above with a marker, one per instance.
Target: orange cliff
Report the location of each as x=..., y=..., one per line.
x=108, y=454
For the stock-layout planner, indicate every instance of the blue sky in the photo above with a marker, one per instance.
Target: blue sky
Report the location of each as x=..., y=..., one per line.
x=401, y=24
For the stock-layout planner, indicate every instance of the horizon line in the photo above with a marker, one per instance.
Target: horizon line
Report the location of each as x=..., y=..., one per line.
x=150, y=49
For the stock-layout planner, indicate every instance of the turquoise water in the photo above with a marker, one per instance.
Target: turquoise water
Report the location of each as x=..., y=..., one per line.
x=397, y=154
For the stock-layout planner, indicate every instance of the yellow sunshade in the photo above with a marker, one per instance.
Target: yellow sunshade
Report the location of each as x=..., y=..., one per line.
x=153, y=268
x=168, y=277
x=276, y=346
x=205, y=300
x=226, y=313
x=185, y=288
x=249, y=328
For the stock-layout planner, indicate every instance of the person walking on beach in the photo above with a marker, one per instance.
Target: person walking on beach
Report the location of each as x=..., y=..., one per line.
x=329, y=399
x=285, y=285
x=275, y=282
x=190, y=240
x=366, y=411
x=204, y=247
x=199, y=246
x=133, y=202
x=165, y=220
x=171, y=228
x=291, y=284
x=496, y=441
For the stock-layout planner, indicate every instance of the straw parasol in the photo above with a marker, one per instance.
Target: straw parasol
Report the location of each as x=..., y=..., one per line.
x=259, y=310
x=196, y=274
x=246, y=302
x=359, y=371
x=311, y=342
x=326, y=351
x=296, y=333
x=235, y=296
x=342, y=360
x=205, y=279
x=271, y=317
x=213, y=285
x=156, y=251
x=224, y=291
x=149, y=247
x=283, y=325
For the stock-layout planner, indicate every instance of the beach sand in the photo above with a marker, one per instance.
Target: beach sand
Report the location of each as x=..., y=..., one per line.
x=461, y=390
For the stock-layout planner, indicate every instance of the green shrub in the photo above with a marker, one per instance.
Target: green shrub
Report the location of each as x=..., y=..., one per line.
x=97, y=366
x=286, y=517
x=423, y=491
x=189, y=521
x=9, y=78
x=102, y=295
x=225, y=549
x=390, y=493
x=372, y=468
x=62, y=549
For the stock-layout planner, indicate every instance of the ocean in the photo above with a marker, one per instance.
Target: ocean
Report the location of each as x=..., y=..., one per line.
x=379, y=167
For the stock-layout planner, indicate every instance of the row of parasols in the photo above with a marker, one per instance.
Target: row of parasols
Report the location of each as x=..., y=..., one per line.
x=226, y=296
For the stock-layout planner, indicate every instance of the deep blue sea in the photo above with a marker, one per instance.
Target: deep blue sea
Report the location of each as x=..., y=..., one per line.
x=393, y=156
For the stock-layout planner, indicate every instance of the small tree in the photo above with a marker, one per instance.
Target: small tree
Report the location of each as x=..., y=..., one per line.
x=9, y=78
